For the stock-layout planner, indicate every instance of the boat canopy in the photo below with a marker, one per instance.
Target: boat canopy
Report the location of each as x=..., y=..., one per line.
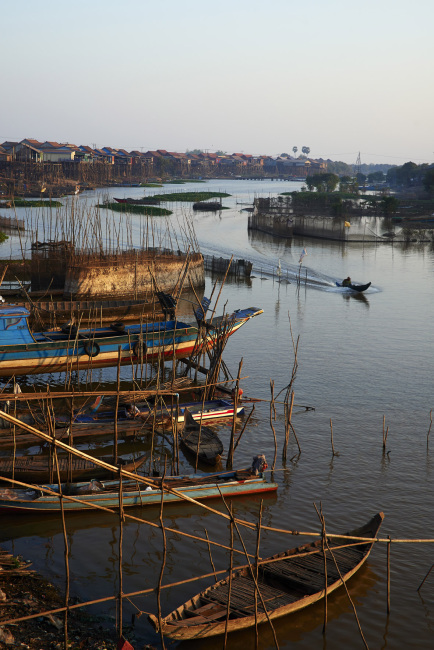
x=14, y=325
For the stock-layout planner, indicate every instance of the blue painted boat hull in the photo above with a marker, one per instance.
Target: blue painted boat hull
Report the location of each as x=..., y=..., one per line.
x=23, y=352
x=209, y=410
x=15, y=501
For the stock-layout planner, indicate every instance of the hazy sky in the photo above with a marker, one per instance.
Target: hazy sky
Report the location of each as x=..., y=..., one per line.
x=235, y=75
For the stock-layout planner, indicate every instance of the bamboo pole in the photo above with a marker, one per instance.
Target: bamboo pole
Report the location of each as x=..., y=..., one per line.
x=258, y=540
x=66, y=554
x=343, y=582
x=426, y=576
x=230, y=460
x=272, y=409
x=231, y=568
x=244, y=428
x=121, y=535
x=118, y=382
x=331, y=434
x=163, y=564
x=388, y=575
x=210, y=555
x=323, y=542
x=287, y=424
x=252, y=573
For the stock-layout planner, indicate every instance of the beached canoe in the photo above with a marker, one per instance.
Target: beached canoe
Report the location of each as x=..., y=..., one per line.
x=106, y=493
x=287, y=582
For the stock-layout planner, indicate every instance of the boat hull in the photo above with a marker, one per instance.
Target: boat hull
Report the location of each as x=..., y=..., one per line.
x=209, y=410
x=42, y=469
x=180, y=623
x=99, y=348
x=355, y=287
x=50, y=503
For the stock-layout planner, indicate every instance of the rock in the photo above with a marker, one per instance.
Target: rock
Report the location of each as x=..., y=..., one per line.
x=6, y=636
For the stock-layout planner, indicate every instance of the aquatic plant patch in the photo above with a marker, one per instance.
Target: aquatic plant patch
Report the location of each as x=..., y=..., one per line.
x=189, y=196
x=148, y=210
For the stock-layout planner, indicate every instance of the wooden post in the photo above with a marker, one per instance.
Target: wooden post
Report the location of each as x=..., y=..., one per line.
x=331, y=433
x=287, y=424
x=118, y=381
x=121, y=534
x=258, y=539
x=163, y=563
x=230, y=460
x=388, y=574
x=273, y=410
x=231, y=567
x=323, y=543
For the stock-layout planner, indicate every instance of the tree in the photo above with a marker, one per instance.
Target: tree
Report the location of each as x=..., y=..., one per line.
x=322, y=182
x=376, y=177
x=428, y=181
x=389, y=205
x=349, y=184
x=404, y=175
x=295, y=149
x=306, y=150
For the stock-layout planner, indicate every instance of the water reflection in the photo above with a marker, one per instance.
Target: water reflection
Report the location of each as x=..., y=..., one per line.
x=359, y=297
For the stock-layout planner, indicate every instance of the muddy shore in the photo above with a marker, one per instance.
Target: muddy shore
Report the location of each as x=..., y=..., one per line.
x=23, y=592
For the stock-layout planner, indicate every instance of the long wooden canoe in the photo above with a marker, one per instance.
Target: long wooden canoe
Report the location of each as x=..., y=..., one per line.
x=42, y=469
x=106, y=493
x=23, y=352
x=208, y=410
x=287, y=582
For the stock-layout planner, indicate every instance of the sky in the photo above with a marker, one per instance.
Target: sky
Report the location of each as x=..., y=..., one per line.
x=340, y=77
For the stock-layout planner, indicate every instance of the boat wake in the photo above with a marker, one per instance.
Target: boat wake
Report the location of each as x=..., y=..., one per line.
x=296, y=273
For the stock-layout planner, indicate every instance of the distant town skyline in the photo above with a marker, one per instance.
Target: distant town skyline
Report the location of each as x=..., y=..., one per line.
x=237, y=77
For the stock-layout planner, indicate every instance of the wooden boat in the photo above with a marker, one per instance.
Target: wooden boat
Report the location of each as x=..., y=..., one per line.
x=91, y=311
x=208, y=410
x=23, y=352
x=106, y=493
x=42, y=469
x=127, y=429
x=287, y=582
x=354, y=287
x=201, y=441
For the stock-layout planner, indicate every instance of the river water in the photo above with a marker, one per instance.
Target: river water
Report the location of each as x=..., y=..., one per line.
x=360, y=359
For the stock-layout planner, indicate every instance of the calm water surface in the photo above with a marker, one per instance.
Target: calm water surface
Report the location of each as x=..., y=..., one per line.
x=360, y=359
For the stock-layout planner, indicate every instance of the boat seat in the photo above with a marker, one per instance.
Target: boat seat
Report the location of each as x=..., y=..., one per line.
x=210, y=611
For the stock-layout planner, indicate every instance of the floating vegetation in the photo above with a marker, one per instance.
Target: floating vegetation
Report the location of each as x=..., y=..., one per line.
x=24, y=203
x=149, y=210
x=189, y=196
x=151, y=185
